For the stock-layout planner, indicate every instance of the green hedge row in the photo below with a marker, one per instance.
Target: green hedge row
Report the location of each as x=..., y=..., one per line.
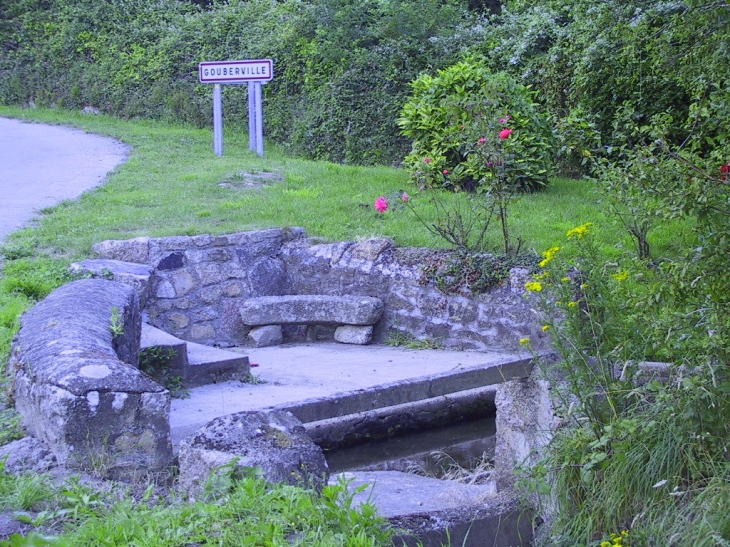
x=342, y=68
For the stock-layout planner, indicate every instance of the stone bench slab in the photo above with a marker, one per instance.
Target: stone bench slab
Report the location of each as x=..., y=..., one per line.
x=311, y=310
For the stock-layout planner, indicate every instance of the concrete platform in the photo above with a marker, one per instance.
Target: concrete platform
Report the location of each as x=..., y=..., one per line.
x=320, y=380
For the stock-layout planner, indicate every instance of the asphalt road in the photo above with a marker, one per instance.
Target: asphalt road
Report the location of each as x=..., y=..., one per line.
x=42, y=165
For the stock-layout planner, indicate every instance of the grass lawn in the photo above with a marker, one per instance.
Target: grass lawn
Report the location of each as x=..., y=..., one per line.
x=173, y=184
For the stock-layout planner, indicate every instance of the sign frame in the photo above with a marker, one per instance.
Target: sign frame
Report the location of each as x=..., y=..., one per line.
x=236, y=72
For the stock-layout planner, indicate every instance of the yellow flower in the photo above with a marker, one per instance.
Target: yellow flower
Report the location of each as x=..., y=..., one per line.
x=620, y=276
x=572, y=304
x=533, y=286
x=605, y=544
x=543, y=275
x=545, y=327
x=580, y=231
x=524, y=341
x=549, y=255
x=565, y=279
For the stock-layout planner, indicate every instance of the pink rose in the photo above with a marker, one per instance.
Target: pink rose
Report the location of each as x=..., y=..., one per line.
x=482, y=140
x=405, y=197
x=427, y=160
x=381, y=204
x=445, y=171
x=505, y=133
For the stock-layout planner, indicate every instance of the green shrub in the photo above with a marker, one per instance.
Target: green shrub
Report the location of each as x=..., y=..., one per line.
x=471, y=127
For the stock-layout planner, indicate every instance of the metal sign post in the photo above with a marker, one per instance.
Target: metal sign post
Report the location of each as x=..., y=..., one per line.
x=254, y=73
x=218, y=119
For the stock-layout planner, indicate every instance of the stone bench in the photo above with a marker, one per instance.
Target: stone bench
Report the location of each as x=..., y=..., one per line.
x=77, y=386
x=354, y=316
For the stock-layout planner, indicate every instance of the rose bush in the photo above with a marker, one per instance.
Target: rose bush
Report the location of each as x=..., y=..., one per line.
x=466, y=121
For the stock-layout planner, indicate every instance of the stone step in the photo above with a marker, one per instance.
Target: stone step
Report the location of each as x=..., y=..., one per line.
x=196, y=364
x=209, y=365
x=411, y=391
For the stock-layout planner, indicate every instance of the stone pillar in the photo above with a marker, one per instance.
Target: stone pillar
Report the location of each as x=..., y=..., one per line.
x=525, y=423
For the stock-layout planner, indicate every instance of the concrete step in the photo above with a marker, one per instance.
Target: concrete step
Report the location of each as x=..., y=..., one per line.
x=343, y=392
x=195, y=364
x=209, y=365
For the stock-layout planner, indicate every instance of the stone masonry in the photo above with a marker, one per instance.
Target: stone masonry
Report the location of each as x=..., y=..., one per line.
x=199, y=283
x=77, y=386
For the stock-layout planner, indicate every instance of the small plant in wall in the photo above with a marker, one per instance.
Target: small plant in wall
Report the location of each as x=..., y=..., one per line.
x=156, y=362
x=116, y=324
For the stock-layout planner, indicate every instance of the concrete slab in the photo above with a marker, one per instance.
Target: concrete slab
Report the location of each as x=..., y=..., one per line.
x=296, y=374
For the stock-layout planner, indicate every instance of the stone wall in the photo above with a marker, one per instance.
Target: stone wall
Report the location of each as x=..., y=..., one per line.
x=199, y=282
x=76, y=383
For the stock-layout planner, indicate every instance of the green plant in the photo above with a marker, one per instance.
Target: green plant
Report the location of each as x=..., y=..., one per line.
x=155, y=361
x=464, y=272
x=472, y=128
x=116, y=323
x=398, y=338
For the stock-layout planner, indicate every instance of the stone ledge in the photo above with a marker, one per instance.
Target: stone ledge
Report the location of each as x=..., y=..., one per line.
x=77, y=386
x=311, y=309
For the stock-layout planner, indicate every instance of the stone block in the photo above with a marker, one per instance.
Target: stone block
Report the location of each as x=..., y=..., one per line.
x=267, y=277
x=27, y=455
x=350, y=334
x=370, y=249
x=77, y=387
x=130, y=273
x=311, y=309
x=131, y=250
x=273, y=441
x=173, y=261
x=525, y=423
x=183, y=282
x=202, y=332
x=267, y=335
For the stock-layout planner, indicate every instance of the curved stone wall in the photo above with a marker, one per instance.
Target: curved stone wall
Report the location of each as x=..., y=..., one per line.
x=199, y=282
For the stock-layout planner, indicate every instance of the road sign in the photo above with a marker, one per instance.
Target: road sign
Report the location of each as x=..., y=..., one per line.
x=236, y=72
x=254, y=73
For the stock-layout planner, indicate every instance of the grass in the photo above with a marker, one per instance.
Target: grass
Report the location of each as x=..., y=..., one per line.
x=173, y=184
x=240, y=511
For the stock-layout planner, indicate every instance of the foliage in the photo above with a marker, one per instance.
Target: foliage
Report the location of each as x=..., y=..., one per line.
x=34, y=279
x=248, y=511
x=640, y=450
x=155, y=361
x=473, y=129
x=464, y=272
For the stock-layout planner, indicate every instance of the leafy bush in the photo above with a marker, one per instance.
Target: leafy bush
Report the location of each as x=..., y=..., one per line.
x=471, y=127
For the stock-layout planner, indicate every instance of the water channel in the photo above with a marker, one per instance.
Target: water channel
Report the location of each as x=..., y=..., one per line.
x=465, y=444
